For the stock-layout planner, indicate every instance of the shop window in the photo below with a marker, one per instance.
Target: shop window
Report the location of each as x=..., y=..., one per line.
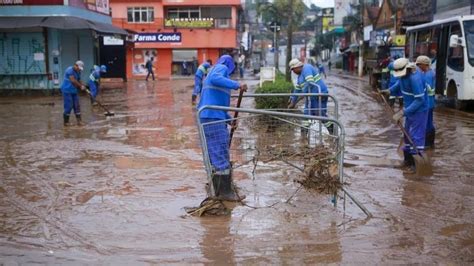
x=456, y=54
x=181, y=58
x=140, y=14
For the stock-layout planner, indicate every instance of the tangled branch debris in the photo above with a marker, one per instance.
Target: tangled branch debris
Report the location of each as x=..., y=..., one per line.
x=209, y=207
x=320, y=169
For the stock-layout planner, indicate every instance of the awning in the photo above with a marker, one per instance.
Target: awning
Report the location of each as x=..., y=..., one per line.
x=19, y=22
x=338, y=30
x=63, y=23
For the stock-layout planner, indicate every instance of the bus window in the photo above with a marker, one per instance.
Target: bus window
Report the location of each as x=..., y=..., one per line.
x=434, y=42
x=469, y=32
x=456, y=55
x=423, y=40
x=410, y=40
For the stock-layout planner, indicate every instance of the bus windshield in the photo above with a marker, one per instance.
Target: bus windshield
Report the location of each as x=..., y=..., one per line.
x=469, y=32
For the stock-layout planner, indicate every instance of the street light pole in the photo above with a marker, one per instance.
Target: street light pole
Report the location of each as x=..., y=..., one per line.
x=361, y=38
x=275, y=28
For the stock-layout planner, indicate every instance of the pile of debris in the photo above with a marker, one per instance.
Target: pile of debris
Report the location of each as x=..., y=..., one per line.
x=209, y=207
x=320, y=170
x=320, y=167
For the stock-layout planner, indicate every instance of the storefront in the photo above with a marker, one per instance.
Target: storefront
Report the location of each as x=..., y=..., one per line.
x=169, y=53
x=35, y=47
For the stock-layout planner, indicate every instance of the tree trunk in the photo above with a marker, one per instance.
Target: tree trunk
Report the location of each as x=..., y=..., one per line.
x=289, y=46
x=277, y=51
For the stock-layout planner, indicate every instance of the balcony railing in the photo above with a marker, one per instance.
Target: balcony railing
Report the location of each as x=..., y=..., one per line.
x=138, y=27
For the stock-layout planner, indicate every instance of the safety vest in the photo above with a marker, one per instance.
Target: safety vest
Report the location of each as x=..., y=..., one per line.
x=203, y=69
x=312, y=79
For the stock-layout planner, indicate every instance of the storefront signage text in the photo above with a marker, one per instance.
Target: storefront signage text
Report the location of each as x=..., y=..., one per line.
x=158, y=37
x=32, y=2
x=11, y=2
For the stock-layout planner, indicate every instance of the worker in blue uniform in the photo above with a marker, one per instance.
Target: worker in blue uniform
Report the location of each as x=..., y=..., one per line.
x=201, y=73
x=94, y=81
x=415, y=110
x=216, y=90
x=69, y=86
x=392, y=83
x=321, y=70
x=310, y=81
x=424, y=63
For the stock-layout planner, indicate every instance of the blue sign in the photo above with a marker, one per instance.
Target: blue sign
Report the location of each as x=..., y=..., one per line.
x=158, y=37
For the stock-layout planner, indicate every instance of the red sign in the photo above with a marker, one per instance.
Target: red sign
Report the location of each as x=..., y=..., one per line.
x=31, y=2
x=101, y=6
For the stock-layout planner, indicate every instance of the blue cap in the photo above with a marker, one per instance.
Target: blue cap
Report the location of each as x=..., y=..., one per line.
x=103, y=68
x=390, y=66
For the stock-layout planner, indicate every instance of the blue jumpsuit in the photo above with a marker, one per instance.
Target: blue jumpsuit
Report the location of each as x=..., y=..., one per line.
x=216, y=90
x=321, y=70
x=93, y=83
x=199, y=77
x=69, y=92
x=430, y=81
x=416, y=108
x=307, y=82
x=393, y=82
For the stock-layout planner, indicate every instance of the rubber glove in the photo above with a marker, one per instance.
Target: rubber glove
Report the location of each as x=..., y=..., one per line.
x=398, y=115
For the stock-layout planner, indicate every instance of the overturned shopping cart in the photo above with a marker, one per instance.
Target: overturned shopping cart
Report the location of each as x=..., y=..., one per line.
x=286, y=142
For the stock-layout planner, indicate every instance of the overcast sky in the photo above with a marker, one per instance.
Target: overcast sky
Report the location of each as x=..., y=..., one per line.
x=320, y=3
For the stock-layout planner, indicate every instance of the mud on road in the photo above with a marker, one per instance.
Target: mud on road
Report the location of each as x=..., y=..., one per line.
x=114, y=191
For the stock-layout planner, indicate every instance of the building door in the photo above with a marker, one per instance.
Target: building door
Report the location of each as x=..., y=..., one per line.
x=112, y=54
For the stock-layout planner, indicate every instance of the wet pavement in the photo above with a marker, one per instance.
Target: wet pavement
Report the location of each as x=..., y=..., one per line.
x=113, y=191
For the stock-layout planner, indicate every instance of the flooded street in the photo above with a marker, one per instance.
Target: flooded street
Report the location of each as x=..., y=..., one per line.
x=114, y=191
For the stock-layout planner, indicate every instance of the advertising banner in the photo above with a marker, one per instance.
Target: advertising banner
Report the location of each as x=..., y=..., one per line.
x=140, y=57
x=418, y=11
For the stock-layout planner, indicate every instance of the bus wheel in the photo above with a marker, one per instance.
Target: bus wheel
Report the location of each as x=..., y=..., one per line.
x=453, y=97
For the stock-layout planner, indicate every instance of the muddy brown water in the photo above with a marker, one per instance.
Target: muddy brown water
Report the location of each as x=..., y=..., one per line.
x=113, y=191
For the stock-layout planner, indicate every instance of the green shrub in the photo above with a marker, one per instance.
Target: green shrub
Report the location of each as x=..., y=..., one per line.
x=339, y=64
x=279, y=86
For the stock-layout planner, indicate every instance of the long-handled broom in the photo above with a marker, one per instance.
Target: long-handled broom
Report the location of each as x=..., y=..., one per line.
x=107, y=112
x=422, y=161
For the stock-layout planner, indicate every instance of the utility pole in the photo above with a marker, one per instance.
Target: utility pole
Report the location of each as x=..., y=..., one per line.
x=361, y=38
x=289, y=41
x=275, y=28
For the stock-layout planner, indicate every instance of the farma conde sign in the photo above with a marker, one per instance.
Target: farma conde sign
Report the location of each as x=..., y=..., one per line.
x=158, y=37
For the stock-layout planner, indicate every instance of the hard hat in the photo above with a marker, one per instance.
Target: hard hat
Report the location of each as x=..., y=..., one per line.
x=424, y=60
x=400, y=67
x=80, y=64
x=103, y=68
x=294, y=63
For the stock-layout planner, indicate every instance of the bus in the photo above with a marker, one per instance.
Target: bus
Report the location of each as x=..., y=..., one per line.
x=450, y=45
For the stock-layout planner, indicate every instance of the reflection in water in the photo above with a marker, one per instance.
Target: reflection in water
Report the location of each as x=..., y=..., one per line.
x=113, y=190
x=217, y=244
